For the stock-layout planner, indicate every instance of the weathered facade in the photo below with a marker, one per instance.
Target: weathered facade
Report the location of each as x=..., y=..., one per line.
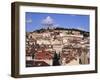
x=72, y=45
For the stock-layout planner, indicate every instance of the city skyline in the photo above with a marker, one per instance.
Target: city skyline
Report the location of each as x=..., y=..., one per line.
x=34, y=21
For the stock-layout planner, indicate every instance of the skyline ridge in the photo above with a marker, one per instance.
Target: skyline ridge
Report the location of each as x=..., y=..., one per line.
x=36, y=21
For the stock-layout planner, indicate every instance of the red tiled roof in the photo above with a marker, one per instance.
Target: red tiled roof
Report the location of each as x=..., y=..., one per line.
x=43, y=55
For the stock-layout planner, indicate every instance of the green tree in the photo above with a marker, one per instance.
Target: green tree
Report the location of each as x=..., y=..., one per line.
x=56, y=59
